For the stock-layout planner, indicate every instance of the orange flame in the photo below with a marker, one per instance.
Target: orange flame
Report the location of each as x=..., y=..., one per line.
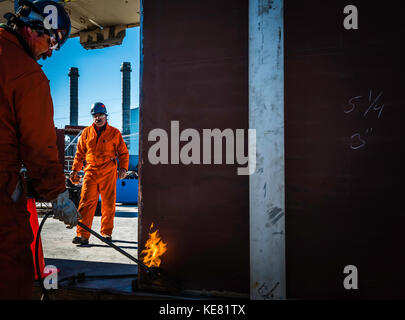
x=154, y=248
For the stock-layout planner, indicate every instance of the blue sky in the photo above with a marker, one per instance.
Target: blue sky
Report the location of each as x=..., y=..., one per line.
x=100, y=78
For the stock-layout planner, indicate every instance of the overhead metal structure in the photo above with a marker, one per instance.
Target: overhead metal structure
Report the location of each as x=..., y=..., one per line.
x=98, y=23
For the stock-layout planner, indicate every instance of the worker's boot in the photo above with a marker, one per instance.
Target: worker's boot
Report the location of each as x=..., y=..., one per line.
x=80, y=240
x=108, y=238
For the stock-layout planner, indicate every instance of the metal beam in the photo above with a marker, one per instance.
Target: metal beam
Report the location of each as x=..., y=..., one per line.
x=266, y=115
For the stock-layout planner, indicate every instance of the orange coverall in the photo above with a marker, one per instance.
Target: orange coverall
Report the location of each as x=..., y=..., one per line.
x=27, y=136
x=100, y=175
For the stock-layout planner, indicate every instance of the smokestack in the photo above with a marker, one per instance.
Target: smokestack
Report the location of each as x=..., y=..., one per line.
x=126, y=99
x=74, y=98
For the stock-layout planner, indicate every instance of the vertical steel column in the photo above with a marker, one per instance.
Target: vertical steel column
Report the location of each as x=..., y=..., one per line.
x=266, y=115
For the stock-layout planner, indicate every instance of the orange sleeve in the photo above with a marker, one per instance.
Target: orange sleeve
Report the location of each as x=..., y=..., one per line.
x=123, y=154
x=81, y=151
x=37, y=134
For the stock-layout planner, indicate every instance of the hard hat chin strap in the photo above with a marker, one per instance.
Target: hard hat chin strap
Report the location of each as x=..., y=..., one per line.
x=11, y=18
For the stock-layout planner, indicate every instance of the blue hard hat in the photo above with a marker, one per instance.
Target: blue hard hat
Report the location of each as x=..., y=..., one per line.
x=34, y=13
x=98, y=107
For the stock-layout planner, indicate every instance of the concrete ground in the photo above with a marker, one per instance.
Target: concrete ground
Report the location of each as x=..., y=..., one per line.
x=57, y=239
x=107, y=273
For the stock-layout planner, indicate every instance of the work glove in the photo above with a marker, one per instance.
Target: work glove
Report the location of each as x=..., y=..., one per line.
x=122, y=173
x=65, y=210
x=74, y=177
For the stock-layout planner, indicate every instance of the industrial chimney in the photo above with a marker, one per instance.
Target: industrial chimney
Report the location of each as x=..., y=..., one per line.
x=126, y=100
x=74, y=98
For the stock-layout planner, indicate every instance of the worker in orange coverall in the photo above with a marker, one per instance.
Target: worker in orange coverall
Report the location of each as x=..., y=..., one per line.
x=28, y=137
x=99, y=145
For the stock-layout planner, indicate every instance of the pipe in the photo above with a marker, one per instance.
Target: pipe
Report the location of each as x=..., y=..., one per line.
x=112, y=245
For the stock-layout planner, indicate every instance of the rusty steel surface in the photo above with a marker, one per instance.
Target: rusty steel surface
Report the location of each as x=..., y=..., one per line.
x=195, y=71
x=343, y=141
x=60, y=142
x=73, y=130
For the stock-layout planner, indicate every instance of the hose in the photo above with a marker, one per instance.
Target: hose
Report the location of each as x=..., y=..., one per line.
x=40, y=279
x=153, y=272
x=79, y=276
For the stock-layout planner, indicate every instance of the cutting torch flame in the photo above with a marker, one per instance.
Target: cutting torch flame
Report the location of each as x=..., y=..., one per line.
x=154, y=248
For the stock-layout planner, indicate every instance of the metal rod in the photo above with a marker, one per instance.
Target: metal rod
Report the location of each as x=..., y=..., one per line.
x=73, y=140
x=112, y=245
x=95, y=23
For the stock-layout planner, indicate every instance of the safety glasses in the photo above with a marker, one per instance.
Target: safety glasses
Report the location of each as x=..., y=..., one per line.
x=99, y=115
x=54, y=45
x=54, y=35
x=53, y=40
